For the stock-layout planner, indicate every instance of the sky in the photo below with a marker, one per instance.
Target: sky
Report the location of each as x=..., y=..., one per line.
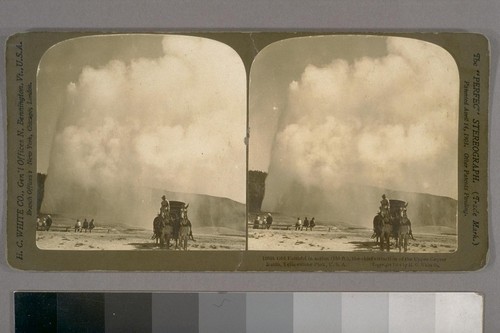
x=367, y=110
x=158, y=111
x=125, y=112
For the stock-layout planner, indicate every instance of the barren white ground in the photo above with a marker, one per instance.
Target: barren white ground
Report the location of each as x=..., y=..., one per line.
x=62, y=236
x=343, y=237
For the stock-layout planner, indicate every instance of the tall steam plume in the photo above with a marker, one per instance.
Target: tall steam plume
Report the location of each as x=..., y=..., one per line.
x=352, y=127
x=128, y=127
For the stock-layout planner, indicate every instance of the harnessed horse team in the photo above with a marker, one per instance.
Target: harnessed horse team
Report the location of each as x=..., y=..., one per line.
x=172, y=223
x=392, y=221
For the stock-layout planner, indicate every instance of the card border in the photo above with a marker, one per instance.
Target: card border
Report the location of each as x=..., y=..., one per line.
x=247, y=44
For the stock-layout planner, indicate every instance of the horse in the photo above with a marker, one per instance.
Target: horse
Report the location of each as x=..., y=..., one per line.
x=184, y=229
x=176, y=226
x=385, y=233
x=404, y=231
x=157, y=225
x=396, y=224
x=377, y=227
x=400, y=220
x=162, y=229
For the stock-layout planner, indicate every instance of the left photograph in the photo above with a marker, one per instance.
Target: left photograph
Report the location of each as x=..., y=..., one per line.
x=141, y=144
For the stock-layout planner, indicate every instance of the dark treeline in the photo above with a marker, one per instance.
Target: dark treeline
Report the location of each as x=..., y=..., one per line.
x=40, y=181
x=256, y=189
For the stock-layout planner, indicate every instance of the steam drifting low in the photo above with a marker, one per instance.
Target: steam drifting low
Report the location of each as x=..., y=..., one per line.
x=176, y=122
x=386, y=122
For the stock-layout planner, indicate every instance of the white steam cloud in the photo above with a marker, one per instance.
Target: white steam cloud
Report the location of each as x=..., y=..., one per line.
x=388, y=122
x=175, y=123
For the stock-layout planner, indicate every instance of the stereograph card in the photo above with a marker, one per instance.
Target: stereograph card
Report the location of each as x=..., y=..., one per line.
x=239, y=151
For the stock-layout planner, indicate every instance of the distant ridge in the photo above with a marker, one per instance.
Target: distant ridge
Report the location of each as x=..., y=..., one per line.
x=138, y=206
x=357, y=204
x=208, y=211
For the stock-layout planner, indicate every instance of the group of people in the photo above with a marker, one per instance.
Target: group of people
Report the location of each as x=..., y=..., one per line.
x=44, y=223
x=85, y=226
x=306, y=224
x=264, y=222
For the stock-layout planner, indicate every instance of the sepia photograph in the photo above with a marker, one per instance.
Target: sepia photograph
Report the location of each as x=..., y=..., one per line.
x=293, y=151
x=353, y=146
x=140, y=144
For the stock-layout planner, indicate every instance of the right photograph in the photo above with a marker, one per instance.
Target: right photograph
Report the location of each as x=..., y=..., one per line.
x=353, y=146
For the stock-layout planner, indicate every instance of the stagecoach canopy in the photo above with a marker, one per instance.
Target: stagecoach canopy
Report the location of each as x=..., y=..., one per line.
x=396, y=205
x=176, y=206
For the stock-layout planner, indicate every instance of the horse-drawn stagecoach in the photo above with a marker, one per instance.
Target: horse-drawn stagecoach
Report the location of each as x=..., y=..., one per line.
x=392, y=221
x=173, y=223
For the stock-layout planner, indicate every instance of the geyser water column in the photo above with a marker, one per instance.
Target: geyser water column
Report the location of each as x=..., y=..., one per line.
x=137, y=112
x=366, y=111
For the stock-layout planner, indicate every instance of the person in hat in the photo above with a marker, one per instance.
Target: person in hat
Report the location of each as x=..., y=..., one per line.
x=256, y=222
x=306, y=223
x=312, y=223
x=78, y=226
x=269, y=220
x=85, y=225
x=48, y=222
x=165, y=206
x=298, y=224
x=91, y=225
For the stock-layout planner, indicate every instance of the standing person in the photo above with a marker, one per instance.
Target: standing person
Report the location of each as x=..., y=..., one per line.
x=91, y=225
x=256, y=222
x=312, y=223
x=269, y=220
x=298, y=224
x=165, y=206
x=306, y=223
x=85, y=225
x=78, y=226
x=48, y=222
